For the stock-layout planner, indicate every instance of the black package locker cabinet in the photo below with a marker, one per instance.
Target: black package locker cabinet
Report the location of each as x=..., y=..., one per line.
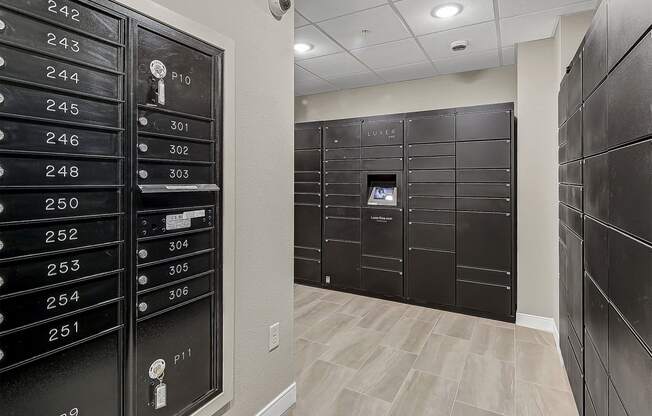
x=606, y=215
x=307, y=202
x=382, y=226
x=62, y=205
x=110, y=207
x=342, y=204
x=430, y=165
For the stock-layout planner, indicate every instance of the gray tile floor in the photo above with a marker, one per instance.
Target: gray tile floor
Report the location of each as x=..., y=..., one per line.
x=358, y=356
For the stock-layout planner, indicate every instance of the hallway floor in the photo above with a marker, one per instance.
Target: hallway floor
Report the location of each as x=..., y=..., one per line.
x=358, y=356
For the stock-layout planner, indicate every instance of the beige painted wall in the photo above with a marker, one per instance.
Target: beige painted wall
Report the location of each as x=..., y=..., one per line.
x=264, y=160
x=457, y=90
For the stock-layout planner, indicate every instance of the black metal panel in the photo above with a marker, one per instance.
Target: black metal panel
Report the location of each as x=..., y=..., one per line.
x=307, y=160
x=383, y=263
x=382, y=132
x=571, y=173
x=628, y=20
x=596, y=252
x=484, y=204
x=343, y=135
x=182, y=338
x=342, y=228
x=481, y=154
x=563, y=135
x=37, y=137
x=24, y=310
x=615, y=405
x=342, y=264
x=33, y=34
x=596, y=319
x=431, y=276
x=74, y=15
x=487, y=276
x=484, y=126
x=431, y=236
x=431, y=176
x=334, y=165
x=431, y=202
x=576, y=380
x=173, y=271
x=382, y=164
x=307, y=270
x=342, y=154
x=382, y=282
x=307, y=137
x=437, y=162
x=382, y=152
x=20, y=346
x=25, y=275
x=562, y=102
x=594, y=55
x=596, y=188
x=189, y=78
x=486, y=298
x=342, y=189
x=177, y=150
x=382, y=232
x=173, y=246
x=484, y=175
x=169, y=222
x=630, y=87
x=430, y=129
x=432, y=189
x=489, y=190
x=30, y=102
x=86, y=378
x=571, y=218
x=342, y=177
x=574, y=281
x=435, y=217
x=307, y=187
x=571, y=195
x=342, y=200
x=595, y=138
x=484, y=240
x=154, y=122
x=50, y=72
x=597, y=380
x=434, y=149
x=630, y=367
x=307, y=177
x=313, y=199
x=573, y=148
x=574, y=85
x=307, y=229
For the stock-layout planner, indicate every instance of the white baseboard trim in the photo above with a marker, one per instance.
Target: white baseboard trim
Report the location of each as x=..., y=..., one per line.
x=281, y=403
x=542, y=324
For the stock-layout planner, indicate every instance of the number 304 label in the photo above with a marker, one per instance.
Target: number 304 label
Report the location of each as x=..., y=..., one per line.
x=183, y=220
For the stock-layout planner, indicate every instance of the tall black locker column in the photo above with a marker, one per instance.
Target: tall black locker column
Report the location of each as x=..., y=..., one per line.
x=307, y=202
x=382, y=226
x=62, y=225
x=609, y=307
x=485, y=205
x=342, y=202
x=430, y=141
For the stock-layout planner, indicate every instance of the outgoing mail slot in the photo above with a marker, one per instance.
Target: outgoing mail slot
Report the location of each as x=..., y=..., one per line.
x=188, y=80
x=28, y=171
x=59, y=42
x=33, y=205
x=31, y=274
x=33, y=239
x=28, y=309
x=157, y=173
x=160, y=274
x=156, y=148
x=33, y=137
x=173, y=295
x=55, y=73
x=161, y=249
x=58, y=107
x=74, y=15
x=186, y=346
x=86, y=378
x=172, y=125
x=172, y=222
x=32, y=342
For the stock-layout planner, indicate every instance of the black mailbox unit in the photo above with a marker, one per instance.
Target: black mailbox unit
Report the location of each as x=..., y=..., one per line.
x=452, y=172
x=605, y=194
x=110, y=233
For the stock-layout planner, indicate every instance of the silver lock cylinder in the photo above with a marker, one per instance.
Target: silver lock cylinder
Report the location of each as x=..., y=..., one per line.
x=2, y=135
x=142, y=280
x=143, y=121
x=2, y=172
x=3, y=25
x=2, y=318
x=2, y=245
x=2, y=208
x=143, y=148
x=2, y=98
x=2, y=281
x=142, y=306
x=143, y=174
x=2, y=355
x=142, y=253
x=2, y=62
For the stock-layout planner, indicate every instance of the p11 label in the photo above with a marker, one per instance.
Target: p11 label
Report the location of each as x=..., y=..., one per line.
x=183, y=220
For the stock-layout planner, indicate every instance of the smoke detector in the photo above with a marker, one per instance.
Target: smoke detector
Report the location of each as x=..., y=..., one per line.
x=459, y=45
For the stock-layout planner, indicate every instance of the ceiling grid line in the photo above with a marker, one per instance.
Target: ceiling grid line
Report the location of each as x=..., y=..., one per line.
x=414, y=36
x=501, y=58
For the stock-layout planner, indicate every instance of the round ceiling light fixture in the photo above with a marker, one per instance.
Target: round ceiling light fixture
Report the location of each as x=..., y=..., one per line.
x=302, y=47
x=446, y=11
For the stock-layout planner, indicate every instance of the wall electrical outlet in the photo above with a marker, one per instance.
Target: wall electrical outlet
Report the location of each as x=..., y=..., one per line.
x=274, y=336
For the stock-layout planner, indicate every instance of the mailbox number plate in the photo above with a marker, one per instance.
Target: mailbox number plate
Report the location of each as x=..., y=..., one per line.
x=175, y=270
x=173, y=295
x=27, y=171
x=165, y=248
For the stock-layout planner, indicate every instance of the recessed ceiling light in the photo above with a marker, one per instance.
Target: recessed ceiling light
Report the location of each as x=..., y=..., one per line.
x=447, y=10
x=302, y=47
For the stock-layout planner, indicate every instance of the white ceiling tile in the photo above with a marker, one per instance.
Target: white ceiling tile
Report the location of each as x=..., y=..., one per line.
x=509, y=8
x=418, y=14
x=534, y=26
x=339, y=64
x=322, y=45
x=299, y=21
x=470, y=62
x=365, y=79
x=481, y=37
x=407, y=72
x=318, y=10
x=306, y=83
x=390, y=54
x=382, y=25
x=509, y=55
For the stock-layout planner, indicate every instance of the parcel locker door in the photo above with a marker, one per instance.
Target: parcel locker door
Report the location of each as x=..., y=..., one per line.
x=342, y=264
x=484, y=240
